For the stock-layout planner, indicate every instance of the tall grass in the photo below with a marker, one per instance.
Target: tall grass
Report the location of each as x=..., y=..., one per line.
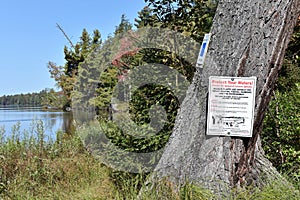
x=36, y=168
x=33, y=166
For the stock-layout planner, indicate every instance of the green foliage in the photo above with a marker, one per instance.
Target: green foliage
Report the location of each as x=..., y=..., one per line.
x=132, y=186
x=66, y=76
x=281, y=133
x=123, y=27
x=97, y=76
x=77, y=55
x=125, y=60
x=289, y=74
x=181, y=16
x=277, y=191
x=46, y=98
x=293, y=50
x=118, y=148
x=127, y=185
x=170, y=59
x=107, y=82
x=129, y=143
x=54, y=100
x=190, y=17
x=149, y=96
x=191, y=191
x=32, y=167
x=29, y=99
x=274, y=190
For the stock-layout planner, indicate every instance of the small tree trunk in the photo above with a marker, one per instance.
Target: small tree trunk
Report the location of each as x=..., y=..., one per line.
x=249, y=38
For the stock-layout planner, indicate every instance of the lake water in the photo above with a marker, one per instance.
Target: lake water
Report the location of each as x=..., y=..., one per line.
x=28, y=116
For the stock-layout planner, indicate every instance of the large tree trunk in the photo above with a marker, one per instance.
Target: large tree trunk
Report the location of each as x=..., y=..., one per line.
x=249, y=38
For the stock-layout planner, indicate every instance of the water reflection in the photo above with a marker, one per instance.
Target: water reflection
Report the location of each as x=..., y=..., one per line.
x=52, y=121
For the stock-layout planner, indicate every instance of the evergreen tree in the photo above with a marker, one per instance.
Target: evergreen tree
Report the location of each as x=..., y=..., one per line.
x=125, y=60
x=66, y=75
x=124, y=26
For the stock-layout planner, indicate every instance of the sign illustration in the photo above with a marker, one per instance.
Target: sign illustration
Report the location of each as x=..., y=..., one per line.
x=231, y=106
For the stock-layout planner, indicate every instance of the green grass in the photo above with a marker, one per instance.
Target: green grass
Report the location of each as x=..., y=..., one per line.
x=35, y=168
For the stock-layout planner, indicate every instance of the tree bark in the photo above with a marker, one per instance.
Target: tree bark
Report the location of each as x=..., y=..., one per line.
x=249, y=38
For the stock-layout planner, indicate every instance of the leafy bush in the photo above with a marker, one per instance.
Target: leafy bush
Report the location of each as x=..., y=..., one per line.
x=281, y=135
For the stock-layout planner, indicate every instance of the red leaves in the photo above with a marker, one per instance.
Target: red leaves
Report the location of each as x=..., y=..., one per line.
x=127, y=48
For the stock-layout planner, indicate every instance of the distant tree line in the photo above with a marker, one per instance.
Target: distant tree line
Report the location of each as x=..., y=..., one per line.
x=29, y=99
x=47, y=98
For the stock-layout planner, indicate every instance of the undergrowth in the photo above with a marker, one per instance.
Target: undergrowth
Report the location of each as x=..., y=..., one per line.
x=33, y=167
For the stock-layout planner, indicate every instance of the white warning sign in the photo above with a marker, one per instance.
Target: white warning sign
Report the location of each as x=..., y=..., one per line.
x=231, y=104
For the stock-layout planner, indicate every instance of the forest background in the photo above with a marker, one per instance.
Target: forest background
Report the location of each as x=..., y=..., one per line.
x=281, y=133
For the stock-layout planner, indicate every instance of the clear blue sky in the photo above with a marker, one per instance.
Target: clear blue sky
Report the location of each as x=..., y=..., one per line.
x=29, y=37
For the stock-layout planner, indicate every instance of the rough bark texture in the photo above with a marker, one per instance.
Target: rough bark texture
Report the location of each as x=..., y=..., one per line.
x=249, y=38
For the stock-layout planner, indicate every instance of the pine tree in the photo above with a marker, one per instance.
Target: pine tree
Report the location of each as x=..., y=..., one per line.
x=66, y=75
x=124, y=26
